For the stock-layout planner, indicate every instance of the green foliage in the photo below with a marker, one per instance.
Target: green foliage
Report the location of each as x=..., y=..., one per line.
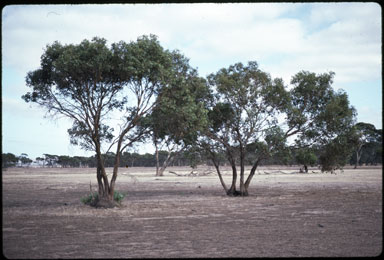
x=306, y=157
x=179, y=113
x=87, y=82
x=233, y=114
x=118, y=196
x=367, y=143
x=243, y=118
x=50, y=160
x=73, y=80
x=221, y=114
x=91, y=199
x=193, y=156
x=24, y=160
x=246, y=103
x=8, y=160
x=317, y=113
x=336, y=153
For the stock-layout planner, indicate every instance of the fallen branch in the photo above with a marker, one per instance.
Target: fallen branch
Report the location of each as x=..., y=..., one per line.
x=273, y=172
x=278, y=171
x=191, y=174
x=176, y=173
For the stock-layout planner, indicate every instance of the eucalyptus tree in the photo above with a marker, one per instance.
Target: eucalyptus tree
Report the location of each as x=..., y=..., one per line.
x=50, y=160
x=366, y=136
x=322, y=117
x=8, y=160
x=24, y=160
x=89, y=82
x=245, y=116
x=336, y=153
x=243, y=110
x=179, y=114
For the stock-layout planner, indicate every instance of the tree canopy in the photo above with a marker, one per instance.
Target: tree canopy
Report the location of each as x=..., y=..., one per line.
x=243, y=110
x=89, y=81
x=179, y=114
x=245, y=117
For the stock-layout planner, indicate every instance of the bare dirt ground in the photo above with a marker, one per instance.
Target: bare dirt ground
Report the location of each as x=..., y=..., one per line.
x=288, y=214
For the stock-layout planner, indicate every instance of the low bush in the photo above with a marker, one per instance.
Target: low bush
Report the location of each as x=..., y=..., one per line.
x=92, y=198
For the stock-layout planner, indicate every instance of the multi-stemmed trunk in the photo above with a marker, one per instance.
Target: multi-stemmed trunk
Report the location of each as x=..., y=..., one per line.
x=105, y=191
x=172, y=153
x=244, y=185
x=168, y=161
x=106, y=188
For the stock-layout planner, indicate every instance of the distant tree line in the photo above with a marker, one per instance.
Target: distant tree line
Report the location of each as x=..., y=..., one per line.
x=367, y=151
x=65, y=161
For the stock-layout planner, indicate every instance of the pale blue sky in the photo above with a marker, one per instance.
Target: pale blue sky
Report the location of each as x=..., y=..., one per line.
x=284, y=38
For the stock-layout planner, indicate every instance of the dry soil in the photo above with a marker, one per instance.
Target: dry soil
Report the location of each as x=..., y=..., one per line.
x=288, y=214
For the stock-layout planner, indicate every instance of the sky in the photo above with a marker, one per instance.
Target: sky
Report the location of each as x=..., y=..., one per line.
x=284, y=38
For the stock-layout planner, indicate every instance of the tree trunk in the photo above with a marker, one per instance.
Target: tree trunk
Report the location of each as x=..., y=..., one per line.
x=243, y=191
x=104, y=199
x=102, y=178
x=232, y=190
x=114, y=175
x=167, y=161
x=250, y=176
x=358, y=155
x=105, y=195
x=216, y=164
x=157, y=159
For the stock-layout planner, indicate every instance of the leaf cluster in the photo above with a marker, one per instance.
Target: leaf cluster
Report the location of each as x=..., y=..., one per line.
x=180, y=113
x=316, y=112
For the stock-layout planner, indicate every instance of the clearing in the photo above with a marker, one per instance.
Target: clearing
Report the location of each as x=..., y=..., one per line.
x=287, y=214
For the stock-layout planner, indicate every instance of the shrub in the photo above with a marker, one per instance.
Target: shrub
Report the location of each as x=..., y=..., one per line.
x=118, y=197
x=92, y=198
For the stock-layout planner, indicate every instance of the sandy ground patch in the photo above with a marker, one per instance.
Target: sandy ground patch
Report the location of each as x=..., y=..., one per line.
x=286, y=215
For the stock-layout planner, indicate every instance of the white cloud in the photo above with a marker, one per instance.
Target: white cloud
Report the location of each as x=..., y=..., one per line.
x=284, y=38
x=208, y=32
x=27, y=29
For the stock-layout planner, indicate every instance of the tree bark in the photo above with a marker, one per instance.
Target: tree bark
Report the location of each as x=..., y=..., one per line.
x=114, y=175
x=217, y=167
x=242, y=168
x=157, y=158
x=251, y=174
x=105, y=198
x=102, y=177
x=358, y=155
x=357, y=159
x=167, y=161
x=232, y=190
x=216, y=164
